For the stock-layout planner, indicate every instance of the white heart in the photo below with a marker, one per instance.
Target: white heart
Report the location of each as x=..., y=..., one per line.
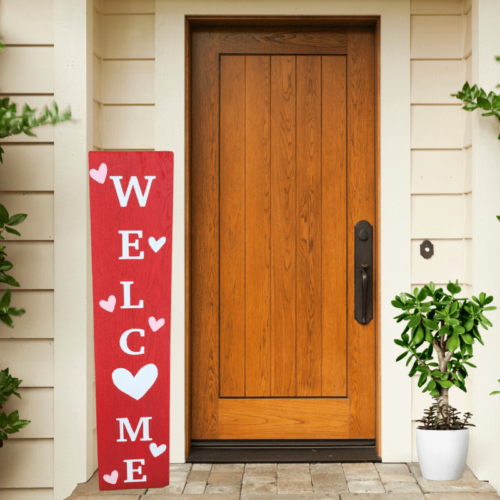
x=155, y=450
x=137, y=386
x=156, y=245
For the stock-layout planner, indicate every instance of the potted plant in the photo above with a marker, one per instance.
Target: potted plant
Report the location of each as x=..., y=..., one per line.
x=438, y=341
x=9, y=424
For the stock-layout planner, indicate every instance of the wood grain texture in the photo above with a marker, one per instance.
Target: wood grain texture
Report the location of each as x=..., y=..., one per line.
x=283, y=226
x=300, y=200
x=282, y=41
x=308, y=146
x=334, y=227
x=204, y=197
x=361, y=206
x=232, y=226
x=258, y=226
x=283, y=418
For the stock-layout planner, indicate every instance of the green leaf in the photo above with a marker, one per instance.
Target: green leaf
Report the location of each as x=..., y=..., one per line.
x=16, y=219
x=3, y=420
x=13, y=417
x=431, y=324
x=468, y=338
x=401, y=356
x=12, y=231
x=445, y=383
x=453, y=342
x=4, y=215
x=7, y=320
x=5, y=265
x=5, y=300
x=419, y=335
x=414, y=321
x=15, y=311
x=494, y=392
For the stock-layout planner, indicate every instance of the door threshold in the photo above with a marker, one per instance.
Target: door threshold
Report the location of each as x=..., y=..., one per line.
x=283, y=451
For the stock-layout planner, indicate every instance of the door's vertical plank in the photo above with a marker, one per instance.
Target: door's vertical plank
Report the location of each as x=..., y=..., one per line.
x=334, y=228
x=308, y=145
x=361, y=205
x=232, y=226
x=283, y=227
x=258, y=227
x=205, y=236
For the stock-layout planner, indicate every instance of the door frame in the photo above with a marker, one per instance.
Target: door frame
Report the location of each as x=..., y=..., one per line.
x=289, y=21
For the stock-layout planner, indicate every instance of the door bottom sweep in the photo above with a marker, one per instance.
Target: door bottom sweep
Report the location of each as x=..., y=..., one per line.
x=283, y=451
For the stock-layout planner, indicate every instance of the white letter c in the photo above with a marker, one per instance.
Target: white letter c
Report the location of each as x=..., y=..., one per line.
x=124, y=345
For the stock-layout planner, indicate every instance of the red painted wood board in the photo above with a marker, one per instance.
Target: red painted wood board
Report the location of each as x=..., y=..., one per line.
x=131, y=196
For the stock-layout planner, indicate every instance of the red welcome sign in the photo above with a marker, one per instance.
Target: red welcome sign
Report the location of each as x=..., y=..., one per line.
x=131, y=226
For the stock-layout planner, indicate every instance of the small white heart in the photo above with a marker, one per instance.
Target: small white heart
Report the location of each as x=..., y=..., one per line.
x=108, y=305
x=155, y=450
x=156, y=324
x=156, y=244
x=99, y=175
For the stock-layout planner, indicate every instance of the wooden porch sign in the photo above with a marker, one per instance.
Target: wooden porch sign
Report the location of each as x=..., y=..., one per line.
x=131, y=226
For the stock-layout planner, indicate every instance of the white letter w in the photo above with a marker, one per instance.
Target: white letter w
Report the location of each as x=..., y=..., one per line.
x=134, y=183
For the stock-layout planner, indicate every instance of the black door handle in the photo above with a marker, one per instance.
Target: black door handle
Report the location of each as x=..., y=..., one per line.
x=364, y=288
x=363, y=275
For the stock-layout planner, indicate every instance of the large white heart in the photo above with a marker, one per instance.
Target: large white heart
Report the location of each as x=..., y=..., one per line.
x=137, y=386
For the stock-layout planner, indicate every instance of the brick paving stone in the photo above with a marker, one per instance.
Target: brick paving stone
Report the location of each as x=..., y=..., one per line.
x=91, y=487
x=294, y=477
x=461, y=496
x=194, y=488
x=110, y=497
x=198, y=467
x=292, y=487
x=261, y=467
x=392, y=477
x=192, y=497
x=322, y=496
x=228, y=467
x=464, y=485
x=360, y=472
x=179, y=475
x=225, y=488
x=225, y=477
x=259, y=489
x=327, y=478
x=295, y=468
x=365, y=487
x=387, y=496
x=336, y=487
x=174, y=488
x=327, y=469
x=402, y=488
x=260, y=477
x=184, y=467
x=198, y=475
x=397, y=468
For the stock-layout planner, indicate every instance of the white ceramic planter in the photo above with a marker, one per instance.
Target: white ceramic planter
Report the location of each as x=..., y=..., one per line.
x=442, y=454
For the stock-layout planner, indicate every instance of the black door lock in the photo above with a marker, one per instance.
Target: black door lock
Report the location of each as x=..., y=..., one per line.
x=363, y=277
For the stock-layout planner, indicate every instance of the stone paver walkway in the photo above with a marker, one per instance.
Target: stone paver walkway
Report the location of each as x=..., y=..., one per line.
x=363, y=481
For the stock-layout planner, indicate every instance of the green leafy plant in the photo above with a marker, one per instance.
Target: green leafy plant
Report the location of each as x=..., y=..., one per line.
x=439, y=336
x=444, y=418
x=9, y=424
x=475, y=97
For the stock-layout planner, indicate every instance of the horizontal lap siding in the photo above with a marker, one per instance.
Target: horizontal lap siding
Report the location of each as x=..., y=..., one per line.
x=124, y=92
x=441, y=158
x=26, y=186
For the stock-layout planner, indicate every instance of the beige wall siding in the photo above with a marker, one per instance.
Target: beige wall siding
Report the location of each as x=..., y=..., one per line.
x=441, y=167
x=124, y=93
x=26, y=186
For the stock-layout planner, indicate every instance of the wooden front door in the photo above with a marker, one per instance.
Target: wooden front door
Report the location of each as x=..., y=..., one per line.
x=282, y=169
